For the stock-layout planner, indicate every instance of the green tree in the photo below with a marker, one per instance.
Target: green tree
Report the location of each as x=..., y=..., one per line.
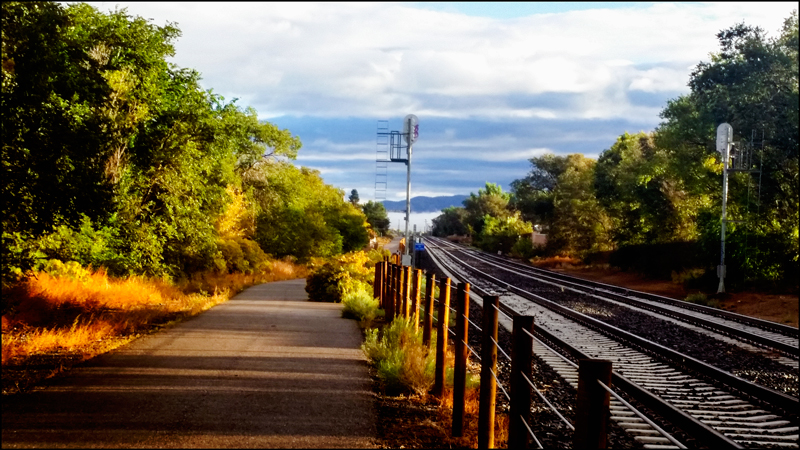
x=104, y=139
x=377, y=217
x=579, y=225
x=452, y=221
x=644, y=197
x=302, y=216
x=752, y=83
x=532, y=196
x=353, y=197
x=491, y=201
x=501, y=234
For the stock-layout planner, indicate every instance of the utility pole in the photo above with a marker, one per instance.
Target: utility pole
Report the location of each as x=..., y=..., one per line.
x=410, y=134
x=724, y=139
x=407, y=135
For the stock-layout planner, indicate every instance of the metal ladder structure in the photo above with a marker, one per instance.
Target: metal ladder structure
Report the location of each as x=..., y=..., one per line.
x=382, y=160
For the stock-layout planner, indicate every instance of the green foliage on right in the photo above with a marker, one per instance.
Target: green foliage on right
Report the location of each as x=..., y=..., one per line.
x=653, y=200
x=502, y=234
x=452, y=221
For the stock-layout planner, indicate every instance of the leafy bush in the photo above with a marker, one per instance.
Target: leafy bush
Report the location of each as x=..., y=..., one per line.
x=242, y=255
x=71, y=270
x=525, y=249
x=502, y=233
x=403, y=363
x=339, y=276
x=361, y=306
x=375, y=256
x=89, y=245
x=687, y=277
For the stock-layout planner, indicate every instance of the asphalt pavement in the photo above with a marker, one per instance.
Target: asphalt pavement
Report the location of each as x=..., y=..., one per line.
x=266, y=369
x=394, y=245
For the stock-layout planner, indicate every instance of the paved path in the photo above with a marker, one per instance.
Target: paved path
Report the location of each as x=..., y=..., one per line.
x=265, y=369
x=394, y=245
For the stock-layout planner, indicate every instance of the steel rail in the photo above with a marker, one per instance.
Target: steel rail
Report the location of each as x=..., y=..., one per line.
x=676, y=414
x=725, y=329
x=753, y=321
x=768, y=395
x=642, y=416
x=668, y=411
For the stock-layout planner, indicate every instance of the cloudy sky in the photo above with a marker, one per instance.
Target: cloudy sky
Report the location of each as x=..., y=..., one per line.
x=492, y=84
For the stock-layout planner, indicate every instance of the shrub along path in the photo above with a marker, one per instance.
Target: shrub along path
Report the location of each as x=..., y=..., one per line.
x=265, y=369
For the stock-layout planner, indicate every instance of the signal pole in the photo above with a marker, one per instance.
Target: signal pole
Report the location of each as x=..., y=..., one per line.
x=724, y=138
x=410, y=134
x=407, y=126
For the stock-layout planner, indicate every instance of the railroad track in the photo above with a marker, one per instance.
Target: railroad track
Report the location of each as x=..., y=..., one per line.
x=770, y=335
x=712, y=405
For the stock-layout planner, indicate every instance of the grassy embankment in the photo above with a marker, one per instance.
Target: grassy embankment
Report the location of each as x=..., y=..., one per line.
x=54, y=320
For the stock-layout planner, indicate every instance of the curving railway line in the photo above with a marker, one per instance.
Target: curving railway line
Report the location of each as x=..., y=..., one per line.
x=707, y=377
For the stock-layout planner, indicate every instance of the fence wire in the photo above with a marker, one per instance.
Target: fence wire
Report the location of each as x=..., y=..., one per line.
x=473, y=324
x=500, y=348
x=500, y=385
x=524, y=422
x=550, y=405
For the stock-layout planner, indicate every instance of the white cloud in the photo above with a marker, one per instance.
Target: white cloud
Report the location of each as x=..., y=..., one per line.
x=383, y=60
x=376, y=59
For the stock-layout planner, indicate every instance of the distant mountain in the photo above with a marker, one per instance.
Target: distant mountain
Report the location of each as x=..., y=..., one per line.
x=426, y=204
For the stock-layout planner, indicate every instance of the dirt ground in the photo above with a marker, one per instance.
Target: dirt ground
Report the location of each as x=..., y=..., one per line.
x=780, y=308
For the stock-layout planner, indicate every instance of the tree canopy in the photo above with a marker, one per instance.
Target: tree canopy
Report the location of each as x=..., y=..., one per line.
x=661, y=190
x=104, y=139
x=377, y=217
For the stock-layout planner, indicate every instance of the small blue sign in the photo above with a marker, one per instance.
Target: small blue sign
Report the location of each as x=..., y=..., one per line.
x=419, y=247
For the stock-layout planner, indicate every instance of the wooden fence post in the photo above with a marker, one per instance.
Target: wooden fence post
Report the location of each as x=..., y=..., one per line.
x=399, y=304
x=376, y=285
x=461, y=356
x=406, y=291
x=592, y=409
x=441, y=337
x=427, y=321
x=486, y=408
x=415, y=285
x=521, y=358
x=390, y=299
x=385, y=293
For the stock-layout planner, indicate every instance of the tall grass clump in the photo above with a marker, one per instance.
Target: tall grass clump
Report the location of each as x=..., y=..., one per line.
x=361, y=306
x=701, y=299
x=403, y=364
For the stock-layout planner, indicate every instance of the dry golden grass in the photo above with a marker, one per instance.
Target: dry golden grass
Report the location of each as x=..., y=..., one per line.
x=556, y=262
x=80, y=318
x=383, y=240
x=469, y=438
